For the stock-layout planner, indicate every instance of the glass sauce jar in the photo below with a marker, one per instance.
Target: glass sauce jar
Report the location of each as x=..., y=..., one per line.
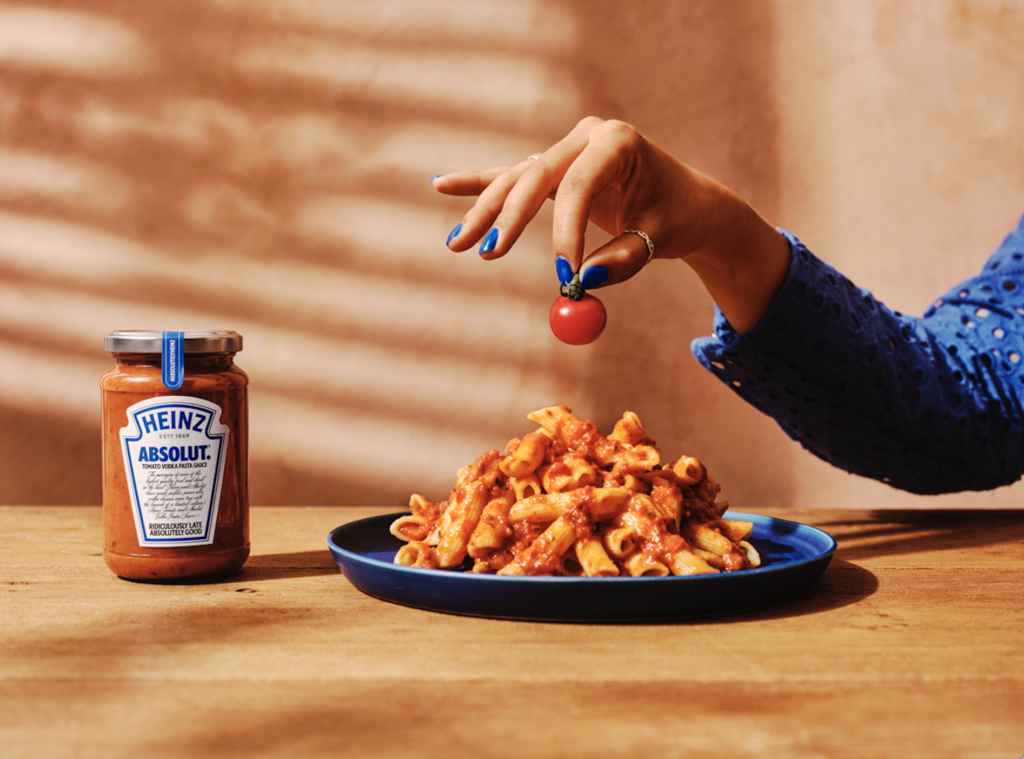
x=175, y=455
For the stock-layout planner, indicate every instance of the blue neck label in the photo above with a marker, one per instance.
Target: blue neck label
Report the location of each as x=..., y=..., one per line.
x=172, y=359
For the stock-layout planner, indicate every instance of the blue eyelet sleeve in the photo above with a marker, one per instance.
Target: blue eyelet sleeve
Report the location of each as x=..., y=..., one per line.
x=929, y=405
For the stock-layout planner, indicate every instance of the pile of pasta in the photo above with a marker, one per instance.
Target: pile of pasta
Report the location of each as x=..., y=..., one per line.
x=566, y=500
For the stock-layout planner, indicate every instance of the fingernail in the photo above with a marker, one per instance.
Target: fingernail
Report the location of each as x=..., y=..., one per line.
x=435, y=177
x=453, y=234
x=594, y=276
x=490, y=240
x=564, y=269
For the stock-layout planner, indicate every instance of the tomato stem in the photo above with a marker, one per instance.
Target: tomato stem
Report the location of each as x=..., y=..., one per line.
x=574, y=290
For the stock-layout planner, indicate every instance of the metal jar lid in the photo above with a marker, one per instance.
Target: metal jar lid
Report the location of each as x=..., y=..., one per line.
x=151, y=341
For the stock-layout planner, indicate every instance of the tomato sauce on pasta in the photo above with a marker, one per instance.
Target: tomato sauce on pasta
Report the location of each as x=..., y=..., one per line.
x=567, y=500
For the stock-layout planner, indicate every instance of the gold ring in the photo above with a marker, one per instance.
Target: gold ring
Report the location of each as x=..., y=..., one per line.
x=650, y=245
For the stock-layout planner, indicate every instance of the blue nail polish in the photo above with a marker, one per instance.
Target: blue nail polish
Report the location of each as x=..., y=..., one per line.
x=435, y=177
x=594, y=276
x=490, y=240
x=564, y=270
x=453, y=234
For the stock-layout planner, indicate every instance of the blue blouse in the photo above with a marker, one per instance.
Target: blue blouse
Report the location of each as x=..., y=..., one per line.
x=929, y=405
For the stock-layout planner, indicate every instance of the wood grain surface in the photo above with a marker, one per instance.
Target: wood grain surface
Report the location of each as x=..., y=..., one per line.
x=911, y=645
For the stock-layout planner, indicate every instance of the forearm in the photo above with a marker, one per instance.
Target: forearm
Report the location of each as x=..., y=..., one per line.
x=918, y=403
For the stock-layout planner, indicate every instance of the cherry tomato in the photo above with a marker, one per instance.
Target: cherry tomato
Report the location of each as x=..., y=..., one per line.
x=577, y=322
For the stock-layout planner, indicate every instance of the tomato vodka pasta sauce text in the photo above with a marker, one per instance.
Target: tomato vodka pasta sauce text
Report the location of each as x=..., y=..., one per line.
x=566, y=500
x=175, y=455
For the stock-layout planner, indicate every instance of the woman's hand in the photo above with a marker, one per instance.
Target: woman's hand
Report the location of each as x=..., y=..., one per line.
x=607, y=173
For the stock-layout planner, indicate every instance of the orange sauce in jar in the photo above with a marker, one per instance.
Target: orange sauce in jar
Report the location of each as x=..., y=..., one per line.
x=175, y=456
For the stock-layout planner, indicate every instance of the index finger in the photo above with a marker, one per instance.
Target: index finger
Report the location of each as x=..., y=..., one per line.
x=601, y=165
x=512, y=197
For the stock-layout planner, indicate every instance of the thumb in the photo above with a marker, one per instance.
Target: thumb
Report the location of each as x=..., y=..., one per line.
x=617, y=260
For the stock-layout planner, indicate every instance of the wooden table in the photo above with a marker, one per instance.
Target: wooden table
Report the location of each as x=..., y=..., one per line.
x=911, y=645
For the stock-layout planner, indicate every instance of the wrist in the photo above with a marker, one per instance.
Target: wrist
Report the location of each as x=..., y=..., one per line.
x=742, y=266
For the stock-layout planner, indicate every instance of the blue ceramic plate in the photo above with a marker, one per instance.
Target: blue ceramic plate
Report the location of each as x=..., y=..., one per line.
x=793, y=557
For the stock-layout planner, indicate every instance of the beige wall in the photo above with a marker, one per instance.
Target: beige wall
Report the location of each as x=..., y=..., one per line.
x=264, y=166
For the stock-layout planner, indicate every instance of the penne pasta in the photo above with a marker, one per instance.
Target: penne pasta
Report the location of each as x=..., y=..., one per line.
x=636, y=460
x=558, y=422
x=669, y=500
x=411, y=528
x=752, y=555
x=628, y=430
x=569, y=473
x=641, y=564
x=713, y=559
x=566, y=500
x=493, y=529
x=686, y=562
x=527, y=456
x=705, y=538
x=545, y=553
x=524, y=487
x=688, y=470
x=540, y=508
x=418, y=503
x=464, y=514
x=417, y=554
x=593, y=558
x=735, y=530
x=620, y=542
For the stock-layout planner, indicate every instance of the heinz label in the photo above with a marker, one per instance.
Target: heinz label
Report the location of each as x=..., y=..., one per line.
x=174, y=450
